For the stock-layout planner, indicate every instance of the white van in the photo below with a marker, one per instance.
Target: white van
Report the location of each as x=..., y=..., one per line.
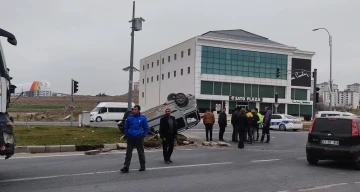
x=109, y=111
x=332, y=113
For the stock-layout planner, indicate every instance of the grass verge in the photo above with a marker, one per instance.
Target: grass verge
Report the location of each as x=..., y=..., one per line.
x=62, y=135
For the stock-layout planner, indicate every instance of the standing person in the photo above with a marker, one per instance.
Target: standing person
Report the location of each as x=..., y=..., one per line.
x=235, y=134
x=208, y=120
x=136, y=128
x=241, y=122
x=222, y=121
x=249, y=126
x=266, y=125
x=258, y=123
x=168, y=131
x=254, y=125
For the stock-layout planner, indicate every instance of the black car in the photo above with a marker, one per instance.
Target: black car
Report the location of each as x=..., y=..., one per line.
x=334, y=138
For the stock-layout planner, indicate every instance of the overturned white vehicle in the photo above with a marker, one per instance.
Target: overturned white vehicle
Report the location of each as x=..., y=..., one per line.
x=183, y=108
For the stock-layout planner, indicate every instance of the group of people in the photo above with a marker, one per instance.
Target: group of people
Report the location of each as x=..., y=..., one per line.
x=136, y=129
x=245, y=124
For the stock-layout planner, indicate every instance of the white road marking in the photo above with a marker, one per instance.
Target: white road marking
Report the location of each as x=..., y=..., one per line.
x=323, y=187
x=83, y=154
x=265, y=160
x=358, y=182
x=107, y=172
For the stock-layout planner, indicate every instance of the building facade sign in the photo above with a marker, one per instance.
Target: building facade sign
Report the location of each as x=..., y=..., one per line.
x=300, y=102
x=301, y=72
x=246, y=99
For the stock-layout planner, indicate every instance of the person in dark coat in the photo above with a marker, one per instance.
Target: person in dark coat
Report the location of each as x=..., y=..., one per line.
x=168, y=131
x=254, y=124
x=222, y=121
x=235, y=133
x=241, y=122
x=266, y=125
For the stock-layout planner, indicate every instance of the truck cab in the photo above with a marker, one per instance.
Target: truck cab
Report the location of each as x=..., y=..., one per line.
x=7, y=138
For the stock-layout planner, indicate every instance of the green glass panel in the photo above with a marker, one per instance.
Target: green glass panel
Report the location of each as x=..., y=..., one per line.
x=254, y=90
x=298, y=94
x=247, y=90
x=222, y=71
x=217, y=88
x=210, y=49
x=206, y=87
x=222, y=56
x=280, y=91
x=233, y=73
x=266, y=91
x=216, y=55
x=216, y=50
x=293, y=109
x=237, y=89
x=225, y=88
x=216, y=71
x=246, y=73
x=228, y=72
x=305, y=110
x=222, y=50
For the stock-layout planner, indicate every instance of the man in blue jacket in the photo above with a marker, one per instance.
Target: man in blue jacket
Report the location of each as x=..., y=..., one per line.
x=136, y=129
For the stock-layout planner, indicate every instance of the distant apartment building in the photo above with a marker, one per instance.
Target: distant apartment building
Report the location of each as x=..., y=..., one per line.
x=325, y=92
x=353, y=87
x=348, y=99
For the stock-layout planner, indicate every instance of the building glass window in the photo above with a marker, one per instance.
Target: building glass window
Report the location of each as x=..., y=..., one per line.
x=143, y=81
x=148, y=66
x=147, y=80
x=254, y=90
x=189, y=52
x=174, y=73
x=182, y=54
x=188, y=70
x=266, y=91
x=168, y=75
x=152, y=64
x=237, y=89
x=235, y=62
x=163, y=60
x=162, y=76
x=174, y=56
x=143, y=67
x=225, y=89
x=157, y=62
x=298, y=94
x=152, y=79
x=182, y=71
x=157, y=78
x=217, y=88
x=280, y=91
x=247, y=90
x=142, y=94
x=207, y=87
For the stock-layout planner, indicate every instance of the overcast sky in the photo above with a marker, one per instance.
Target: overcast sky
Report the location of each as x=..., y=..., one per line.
x=89, y=40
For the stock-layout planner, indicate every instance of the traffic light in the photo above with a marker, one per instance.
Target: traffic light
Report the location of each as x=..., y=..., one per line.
x=276, y=97
x=75, y=84
x=317, y=95
x=277, y=72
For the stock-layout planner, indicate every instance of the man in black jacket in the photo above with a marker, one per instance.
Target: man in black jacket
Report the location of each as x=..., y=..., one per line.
x=241, y=122
x=222, y=121
x=168, y=132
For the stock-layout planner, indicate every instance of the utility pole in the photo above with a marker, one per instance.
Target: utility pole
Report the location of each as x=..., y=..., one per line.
x=314, y=93
x=72, y=102
x=136, y=25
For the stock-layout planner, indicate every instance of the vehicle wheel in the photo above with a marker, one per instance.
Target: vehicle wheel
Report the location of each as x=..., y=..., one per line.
x=98, y=119
x=171, y=97
x=282, y=127
x=312, y=161
x=181, y=100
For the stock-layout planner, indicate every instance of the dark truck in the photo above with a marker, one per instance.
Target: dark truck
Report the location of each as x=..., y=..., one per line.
x=183, y=108
x=334, y=138
x=7, y=138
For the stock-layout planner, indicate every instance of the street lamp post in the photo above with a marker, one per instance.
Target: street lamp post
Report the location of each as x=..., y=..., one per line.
x=136, y=25
x=330, y=44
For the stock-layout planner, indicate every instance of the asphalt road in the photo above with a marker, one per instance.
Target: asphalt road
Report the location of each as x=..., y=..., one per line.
x=278, y=166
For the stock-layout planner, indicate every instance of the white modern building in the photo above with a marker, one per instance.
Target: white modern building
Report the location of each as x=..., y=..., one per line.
x=33, y=89
x=348, y=99
x=354, y=87
x=232, y=68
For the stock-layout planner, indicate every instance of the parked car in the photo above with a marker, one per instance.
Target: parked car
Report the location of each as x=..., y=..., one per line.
x=332, y=113
x=334, y=138
x=285, y=122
